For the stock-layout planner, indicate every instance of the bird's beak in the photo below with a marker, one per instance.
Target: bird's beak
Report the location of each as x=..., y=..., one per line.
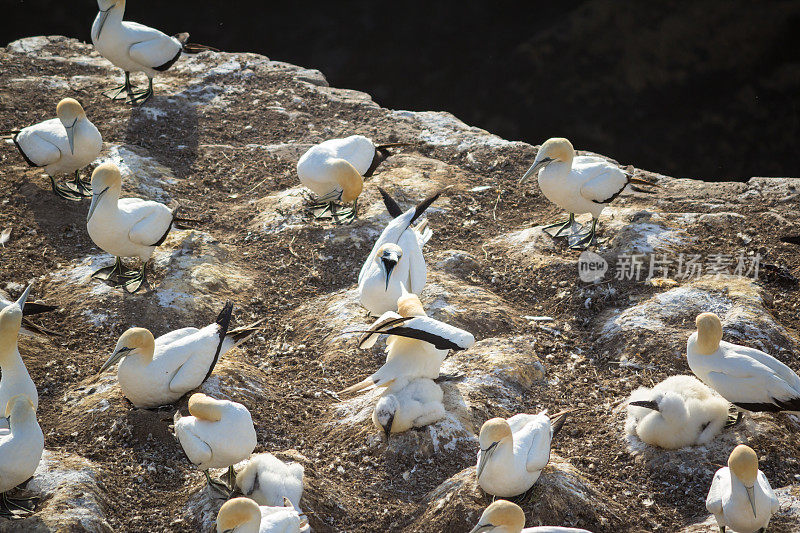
x=103, y=17
x=24, y=297
x=116, y=356
x=751, y=495
x=71, y=136
x=481, y=527
x=388, y=265
x=95, y=201
x=387, y=429
x=537, y=164
x=485, y=458
x=647, y=404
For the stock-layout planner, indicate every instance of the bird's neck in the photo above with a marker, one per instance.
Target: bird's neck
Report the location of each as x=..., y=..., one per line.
x=707, y=344
x=10, y=359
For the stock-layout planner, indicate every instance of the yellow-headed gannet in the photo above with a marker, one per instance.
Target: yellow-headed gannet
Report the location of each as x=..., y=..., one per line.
x=134, y=47
x=748, y=378
x=680, y=411
x=415, y=405
x=62, y=145
x=416, y=346
x=740, y=496
x=218, y=434
x=577, y=184
x=269, y=481
x=20, y=451
x=29, y=309
x=243, y=515
x=335, y=170
x=156, y=372
x=504, y=516
x=513, y=452
x=396, y=258
x=14, y=377
x=124, y=227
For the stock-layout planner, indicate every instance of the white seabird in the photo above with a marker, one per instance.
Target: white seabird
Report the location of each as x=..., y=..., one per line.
x=740, y=496
x=134, y=47
x=396, y=258
x=503, y=516
x=513, y=452
x=20, y=451
x=268, y=481
x=156, y=372
x=14, y=377
x=124, y=227
x=680, y=411
x=416, y=346
x=577, y=184
x=335, y=170
x=62, y=145
x=748, y=378
x=243, y=515
x=29, y=309
x=414, y=405
x=218, y=434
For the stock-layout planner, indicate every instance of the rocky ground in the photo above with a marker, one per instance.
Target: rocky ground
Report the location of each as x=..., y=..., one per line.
x=221, y=138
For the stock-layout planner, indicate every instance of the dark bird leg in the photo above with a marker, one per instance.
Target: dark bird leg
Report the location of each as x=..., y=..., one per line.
x=134, y=283
x=584, y=241
x=139, y=98
x=124, y=88
x=346, y=215
x=16, y=507
x=562, y=226
x=81, y=187
x=64, y=192
x=117, y=274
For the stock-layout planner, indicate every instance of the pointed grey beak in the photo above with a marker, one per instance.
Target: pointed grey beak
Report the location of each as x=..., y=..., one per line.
x=116, y=356
x=647, y=404
x=535, y=168
x=103, y=17
x=387, y=429
x=24, y=296
x=481, y=527
x=485, y=458
x=95, y=201
x=71, y=136
x=751, y=495
x=388, y=265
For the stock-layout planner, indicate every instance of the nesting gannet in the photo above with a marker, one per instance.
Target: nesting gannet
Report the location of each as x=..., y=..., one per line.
x=14, y=377
x=577, y=184
x=218, y=434
x=396, y=258
x=335, y=170
x=268, y=480
x=156, y=372
x=30, y=308
x=414, y=405
x=748, y=378
x=124, y=227
x=416, y=346
x=504, y=516
x=134, y=47
x=62, y=145
x=740, y=496
x=513, y=452
x=243, y=515
x=20, y=451
x=680, y=411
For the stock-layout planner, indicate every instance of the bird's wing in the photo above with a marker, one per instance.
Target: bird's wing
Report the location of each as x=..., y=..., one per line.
x=719, y=486
x=153, y=48
x=154, y=222
x=196, y=449
x=780, y=369
x=442, y=336
x=41, y=143
x=745, y=380
x=602, y=181
x=173, y=336
x=379, y=327
x=412, y=256
x=201, y=347
x=763, y=482
x=533, y=438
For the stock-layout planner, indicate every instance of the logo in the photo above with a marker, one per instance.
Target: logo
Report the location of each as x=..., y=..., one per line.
x=591, y=267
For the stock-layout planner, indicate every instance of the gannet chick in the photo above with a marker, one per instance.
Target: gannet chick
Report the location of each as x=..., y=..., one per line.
x=136, y=48
x=268, y=480
x=748, y=378
x=504, y=516
x=416, y=405
x=740, y=496
x=680, y=411
x=14, y=377
x=156, y=372
x=416, y=346
x=218, y=434
x=396, y=258
x=62, y=145
x=335, y=170
x=577, y=184
x=30, y=309
x=124, y=227
x=20, y=451
x=513, y=452
x=243, y=515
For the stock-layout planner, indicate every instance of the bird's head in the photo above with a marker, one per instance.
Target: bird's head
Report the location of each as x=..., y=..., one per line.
x=501, y=515
x=19, y=409
x=105, y=178
x=555, y=150
x=493, y=432
x=236, y=513
x=137, y=341
x=70, y=112
x=387, y=258
x=11, y=317
x=348, y=178
x=385, y=411
x=205, y=407
x=743, y=462
x=709, y=333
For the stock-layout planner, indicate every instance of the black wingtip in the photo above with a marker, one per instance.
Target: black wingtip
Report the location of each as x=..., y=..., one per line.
x=557, y=422
x=32, y=308
x=22, y=152
x=224, y=321
x=391, y=206
x=423, y=205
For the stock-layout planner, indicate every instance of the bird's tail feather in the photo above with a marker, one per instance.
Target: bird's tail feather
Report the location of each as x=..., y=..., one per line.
x=397, y=144
x=639, y=181
x=8, y=133
x=239, y=335
x=557, y=422
x=391, y=205
x=223, y=321
x=423, y=205
x=362, y=385
x=32, y=308
x=41, y=330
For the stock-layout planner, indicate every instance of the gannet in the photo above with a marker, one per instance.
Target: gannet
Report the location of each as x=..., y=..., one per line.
x=30, y=308
x=14, y=377
x=503, y=516
x=218, y=434
x=335, y=170
x=396, y=258
x=416, y=346
x=415, y=405
x=134, y=47
x=577, y=184
x=20, y=451
x=156, y=372
x=62, y=145
x=243, y=515
x=740, y=496
x=124, y=227
x=748, y=378
x=513, y=452
x=680, y=411
x=268, y=480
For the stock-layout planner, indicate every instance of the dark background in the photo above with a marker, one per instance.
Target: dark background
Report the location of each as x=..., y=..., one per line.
x=707, y=89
